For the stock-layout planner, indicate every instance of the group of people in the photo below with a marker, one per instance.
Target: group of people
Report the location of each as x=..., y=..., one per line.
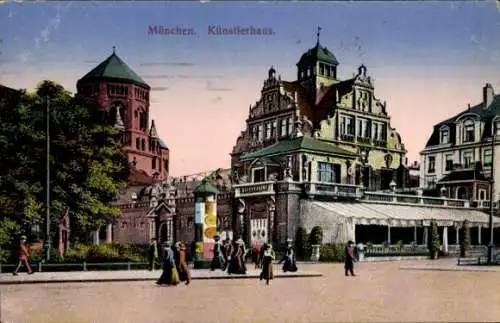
x=229, y=255
x=175, y=267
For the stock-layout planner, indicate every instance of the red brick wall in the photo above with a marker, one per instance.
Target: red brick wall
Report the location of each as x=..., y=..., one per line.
x=132, y=227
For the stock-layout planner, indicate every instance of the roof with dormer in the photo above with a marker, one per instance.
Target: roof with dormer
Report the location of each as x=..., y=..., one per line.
x=478, y=110
x=318, y=53
x=299, y=144
x=114, y=68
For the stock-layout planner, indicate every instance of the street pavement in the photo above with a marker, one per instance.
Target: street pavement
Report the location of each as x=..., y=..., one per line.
x=134, y=275
x=380, y=293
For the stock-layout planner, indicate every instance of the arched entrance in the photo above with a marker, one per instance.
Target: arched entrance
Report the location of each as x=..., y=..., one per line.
x=166, y=231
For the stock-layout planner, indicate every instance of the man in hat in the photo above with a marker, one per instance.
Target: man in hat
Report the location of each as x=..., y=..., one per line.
x=349, y=259
x=218, y=261
x=23, y=257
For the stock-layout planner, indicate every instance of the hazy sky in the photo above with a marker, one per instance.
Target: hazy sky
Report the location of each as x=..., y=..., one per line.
x=428, y=59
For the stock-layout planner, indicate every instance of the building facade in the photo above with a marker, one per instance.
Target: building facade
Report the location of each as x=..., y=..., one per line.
x=126, y=98
x=462, y=153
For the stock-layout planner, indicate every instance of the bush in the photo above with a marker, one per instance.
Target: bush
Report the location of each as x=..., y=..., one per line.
x=316, y=236
x=434, y=243
x=332, y=253
x=301, y=243
x=464, y=238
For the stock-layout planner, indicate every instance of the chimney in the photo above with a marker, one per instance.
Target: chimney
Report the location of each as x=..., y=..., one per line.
x=488, y=95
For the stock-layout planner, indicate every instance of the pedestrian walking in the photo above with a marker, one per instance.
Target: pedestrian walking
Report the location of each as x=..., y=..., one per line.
x=153, y=254
x=289, y=260
x=349, y=259
x=170, y=276
x=237, y=263
x=267, y=264
x=218, y=261
x=182, y=267
x=23, y=258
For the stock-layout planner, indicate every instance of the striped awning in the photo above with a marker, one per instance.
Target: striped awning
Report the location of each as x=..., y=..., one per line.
x=405, y=215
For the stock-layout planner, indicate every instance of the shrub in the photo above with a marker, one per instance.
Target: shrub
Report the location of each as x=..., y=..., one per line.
x=464, y=238
x=434, y=242
x=332, y=253
x=301, y=245
x=316, y=236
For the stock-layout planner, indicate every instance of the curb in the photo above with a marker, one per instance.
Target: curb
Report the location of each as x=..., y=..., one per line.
x=110, y=280
x=451, y=269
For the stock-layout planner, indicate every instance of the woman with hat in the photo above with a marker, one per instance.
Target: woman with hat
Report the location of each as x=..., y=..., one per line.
x=182, y=266
x=267, y=264
x=290, y=263
x=237, y=264
x=170, y=276
x=218, y=261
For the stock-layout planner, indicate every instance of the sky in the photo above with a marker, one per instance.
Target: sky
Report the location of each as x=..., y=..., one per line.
x=428, y=59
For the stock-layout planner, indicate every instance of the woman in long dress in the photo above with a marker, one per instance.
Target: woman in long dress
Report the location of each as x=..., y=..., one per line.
x=170, y=276
x=290, y=263
x=267, y=264
x=182, y=266
x=237, y=264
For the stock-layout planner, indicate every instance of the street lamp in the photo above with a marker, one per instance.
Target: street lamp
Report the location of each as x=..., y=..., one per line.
x=492, y=204
x=47, y=184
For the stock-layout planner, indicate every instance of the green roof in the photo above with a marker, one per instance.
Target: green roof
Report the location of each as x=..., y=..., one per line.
x=318, y=53
x=205, y=188
x=303, y=144
x=113, y=67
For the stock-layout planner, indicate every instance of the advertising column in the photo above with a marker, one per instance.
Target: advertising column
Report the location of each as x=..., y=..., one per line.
x=209, y=226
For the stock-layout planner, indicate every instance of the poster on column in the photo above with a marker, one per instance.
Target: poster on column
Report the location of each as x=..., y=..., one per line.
x=199, y=212
x=209, y=228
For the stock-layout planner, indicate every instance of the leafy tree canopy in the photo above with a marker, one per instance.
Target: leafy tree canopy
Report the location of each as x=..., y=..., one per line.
x=87, y=166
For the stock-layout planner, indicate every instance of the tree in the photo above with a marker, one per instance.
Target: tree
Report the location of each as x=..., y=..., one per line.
x=88, y=167
x=316, y=236
x=434, y=242
x=301, y=245
x=464, y=238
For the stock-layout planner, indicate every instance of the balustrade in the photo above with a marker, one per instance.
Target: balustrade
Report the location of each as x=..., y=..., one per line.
x=254, y=189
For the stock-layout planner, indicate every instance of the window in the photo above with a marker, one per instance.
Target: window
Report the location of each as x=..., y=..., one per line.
x=166, y=165
x=259, y=175
x=260, y=132
x=268, y=130
x=488, y=158
x=329, y=173
x=468, y=131
x=283, y=127
x=143, y=144
x=448, y=162
x=362, y=128
x=482, y=195
x=445, y=136
x=153, y=163
x=378, y=130
x=432, y=164
x=346, y=125
x=289, y=125
x=273, y=129
x=467, y=159
x=137, y=143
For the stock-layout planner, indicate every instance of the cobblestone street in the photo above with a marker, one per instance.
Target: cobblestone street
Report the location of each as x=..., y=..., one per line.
x=381, y=293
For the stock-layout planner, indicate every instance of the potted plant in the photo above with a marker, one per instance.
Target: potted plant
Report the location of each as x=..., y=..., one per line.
x=464, y=239
x=315, y=239
x=434, y=243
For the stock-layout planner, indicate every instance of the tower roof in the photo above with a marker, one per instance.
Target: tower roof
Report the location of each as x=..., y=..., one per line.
x=115, y=68
x=318, y=53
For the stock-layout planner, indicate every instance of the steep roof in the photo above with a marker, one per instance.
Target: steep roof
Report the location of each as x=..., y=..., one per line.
x=115, y=68
x=484, y=113
x=318, y=53
x=305, y=144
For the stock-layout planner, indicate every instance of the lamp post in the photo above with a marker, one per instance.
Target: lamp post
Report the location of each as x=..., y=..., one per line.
x=47, y=184
x=492, y=204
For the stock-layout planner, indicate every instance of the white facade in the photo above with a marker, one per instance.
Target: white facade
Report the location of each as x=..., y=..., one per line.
x=464, y=146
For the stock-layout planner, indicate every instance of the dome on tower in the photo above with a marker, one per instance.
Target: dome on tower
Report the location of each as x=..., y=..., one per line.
x=318, y=53
x=114, y=68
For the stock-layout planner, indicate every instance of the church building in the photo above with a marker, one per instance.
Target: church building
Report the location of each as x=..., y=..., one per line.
x=126, y=96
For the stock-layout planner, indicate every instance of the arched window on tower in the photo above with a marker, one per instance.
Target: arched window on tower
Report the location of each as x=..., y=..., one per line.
x=153, y=163
x=143, y=122
x=143, y=144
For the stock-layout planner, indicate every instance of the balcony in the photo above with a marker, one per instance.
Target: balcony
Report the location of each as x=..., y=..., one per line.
x=333, y=190
x=483, y=204
x=376, y=197
x=254, y=189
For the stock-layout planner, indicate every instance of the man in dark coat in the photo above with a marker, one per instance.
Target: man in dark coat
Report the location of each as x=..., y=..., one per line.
x=349, y=259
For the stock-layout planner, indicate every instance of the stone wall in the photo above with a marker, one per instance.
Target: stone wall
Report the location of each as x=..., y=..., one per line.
x=132, y=227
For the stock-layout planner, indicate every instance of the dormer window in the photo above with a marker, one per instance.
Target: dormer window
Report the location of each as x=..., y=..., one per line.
x=468, y=132
x=444, y=136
